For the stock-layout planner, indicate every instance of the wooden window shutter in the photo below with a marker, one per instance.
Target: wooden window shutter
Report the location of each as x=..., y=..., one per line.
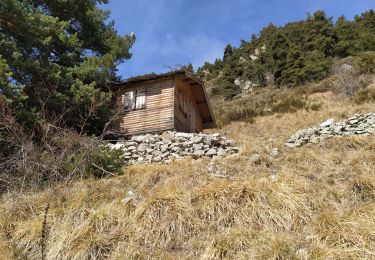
x=127, y=100
x=140, y=101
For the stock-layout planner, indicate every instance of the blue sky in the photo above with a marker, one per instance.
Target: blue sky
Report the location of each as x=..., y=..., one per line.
x=177, y=32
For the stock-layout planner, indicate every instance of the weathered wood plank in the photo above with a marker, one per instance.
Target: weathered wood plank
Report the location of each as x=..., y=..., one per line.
x=157, y=115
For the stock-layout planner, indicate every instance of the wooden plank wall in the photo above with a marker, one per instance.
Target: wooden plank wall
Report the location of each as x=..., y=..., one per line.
x=158, y=114
x=183, y=123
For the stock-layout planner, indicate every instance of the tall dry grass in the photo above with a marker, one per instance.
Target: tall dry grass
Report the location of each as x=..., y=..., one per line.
x=313, y=202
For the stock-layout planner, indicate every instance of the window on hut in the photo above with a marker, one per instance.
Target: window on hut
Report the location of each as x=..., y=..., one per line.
x=140, y=100
x=134, y=100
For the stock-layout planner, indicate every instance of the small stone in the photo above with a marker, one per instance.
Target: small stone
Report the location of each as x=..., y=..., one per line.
x=129, y=197
x=327, y=123
x=183, y=135
x=198, y=153
x=198, y=146
x=156, y=159
x=164, y=148
x=275, y=152
x=292, y=145
x=255, y=158
x=148, y=151
x=117, y=146
x=157, y=153
x=142, y=147
x=207, y=141
x=221, y=152
x=196, y=139
x=211, y=152
x=167, y=136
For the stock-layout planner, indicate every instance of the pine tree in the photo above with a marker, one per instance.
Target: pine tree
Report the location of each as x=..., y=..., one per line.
x=228, y=52
x=59, y=58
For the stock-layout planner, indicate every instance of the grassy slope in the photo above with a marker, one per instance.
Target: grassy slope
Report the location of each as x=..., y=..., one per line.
x=311, y=202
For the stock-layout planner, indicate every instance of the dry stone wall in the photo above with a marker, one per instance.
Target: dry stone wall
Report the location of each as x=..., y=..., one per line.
x=169, y=146
x=359, y=124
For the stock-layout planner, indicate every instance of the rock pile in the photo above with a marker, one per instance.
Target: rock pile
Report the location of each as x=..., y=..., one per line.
x=169, y=146
x=359, y=124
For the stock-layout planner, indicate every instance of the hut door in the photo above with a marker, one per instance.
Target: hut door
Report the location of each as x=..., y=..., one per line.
x=192, y=120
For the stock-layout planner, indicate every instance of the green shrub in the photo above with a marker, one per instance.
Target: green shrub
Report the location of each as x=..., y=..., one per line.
x=365, y=95
x=290, y=104
x=367, y=62
x=106, y=161
x=315, y=106
x=237, y=113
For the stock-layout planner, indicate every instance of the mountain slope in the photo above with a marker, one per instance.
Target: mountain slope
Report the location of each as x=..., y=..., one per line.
x=291, y=55
x=316, y=201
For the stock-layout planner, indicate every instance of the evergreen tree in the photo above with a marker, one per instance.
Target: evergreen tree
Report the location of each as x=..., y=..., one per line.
x=59, y=58
x=296, y=53
x=228, y=52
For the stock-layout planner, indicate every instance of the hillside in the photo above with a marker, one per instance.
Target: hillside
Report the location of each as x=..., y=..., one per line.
x=287, y=173
x=316, y=201
x=290, y=55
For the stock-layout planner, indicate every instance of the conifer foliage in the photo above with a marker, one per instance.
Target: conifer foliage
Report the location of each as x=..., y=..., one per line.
x=293, y=54
x=57, y=58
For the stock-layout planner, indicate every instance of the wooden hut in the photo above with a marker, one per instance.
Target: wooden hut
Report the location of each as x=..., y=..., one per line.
x=153, y=103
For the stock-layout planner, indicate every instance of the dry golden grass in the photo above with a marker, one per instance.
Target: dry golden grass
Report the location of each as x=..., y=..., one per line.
x=313, y=202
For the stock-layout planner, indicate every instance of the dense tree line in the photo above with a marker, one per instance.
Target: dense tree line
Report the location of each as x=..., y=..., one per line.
x=293, y=54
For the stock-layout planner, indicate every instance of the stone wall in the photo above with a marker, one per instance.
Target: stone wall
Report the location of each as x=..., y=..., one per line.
x=170, y=146
x=359, y=124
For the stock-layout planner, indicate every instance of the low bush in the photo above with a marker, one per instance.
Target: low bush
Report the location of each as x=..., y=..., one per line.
x=290, y=104
x=367, y=62
x=263, y=101
x=238, y=113
x=106, y=161
x=57, y=156
x=365, y=95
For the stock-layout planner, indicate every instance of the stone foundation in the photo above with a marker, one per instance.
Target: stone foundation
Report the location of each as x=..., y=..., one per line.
x=169, y=146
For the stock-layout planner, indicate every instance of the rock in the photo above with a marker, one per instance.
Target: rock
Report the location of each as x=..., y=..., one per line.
x=198, y=153
x=196, y=139
x=183, y=135
x=117, y=146
x=357, y=125
x=255, y=158
x=167, y=136
x=198, y=146
x=169, y=146
x=139, y=138
x=221, y=152
x=327, y=123
x=164, y=148
x=129, y=197
x=345, y=68
x=275, y=152
x=142, y=147
x=157, y=153
x=156, y=159
x=211, y=152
